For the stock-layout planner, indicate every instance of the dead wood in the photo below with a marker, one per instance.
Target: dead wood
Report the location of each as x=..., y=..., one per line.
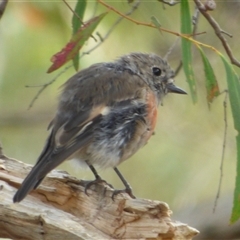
x=59, y=209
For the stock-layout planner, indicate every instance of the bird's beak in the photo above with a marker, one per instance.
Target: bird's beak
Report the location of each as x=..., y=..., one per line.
x=174, y=89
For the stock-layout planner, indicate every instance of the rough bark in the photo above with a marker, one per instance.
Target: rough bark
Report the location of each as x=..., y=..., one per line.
x=59, y=209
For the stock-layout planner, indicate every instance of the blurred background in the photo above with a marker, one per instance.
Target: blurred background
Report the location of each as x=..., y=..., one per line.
x=181, y=163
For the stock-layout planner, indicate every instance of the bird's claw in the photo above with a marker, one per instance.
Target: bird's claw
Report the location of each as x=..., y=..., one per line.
x=88, y=184
x=126, y=190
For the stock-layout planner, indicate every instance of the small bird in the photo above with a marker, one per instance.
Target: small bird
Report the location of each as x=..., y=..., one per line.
x=106, y=112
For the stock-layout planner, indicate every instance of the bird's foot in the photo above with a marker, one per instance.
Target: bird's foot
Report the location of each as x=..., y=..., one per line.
x=127, y=190
x=88, y=184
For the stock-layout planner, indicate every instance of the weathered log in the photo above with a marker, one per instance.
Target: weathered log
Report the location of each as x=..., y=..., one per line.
x=59, y=209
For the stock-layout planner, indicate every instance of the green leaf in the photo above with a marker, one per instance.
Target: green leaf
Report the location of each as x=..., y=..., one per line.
x=155, y=22
x=186, y=28
x=236, y=201
x=234, y=97
x=75, y=44
x=79, y=10
x=76, y=24
x=211, y=81
x=76, y=61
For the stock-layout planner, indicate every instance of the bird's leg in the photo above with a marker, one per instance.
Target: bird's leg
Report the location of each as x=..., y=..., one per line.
x=97, y=180
x=94, y=171
x=127, y=189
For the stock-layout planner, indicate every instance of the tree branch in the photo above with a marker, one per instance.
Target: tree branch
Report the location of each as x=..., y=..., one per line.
x=223, y=148
x=218, y=31
x=59, y=209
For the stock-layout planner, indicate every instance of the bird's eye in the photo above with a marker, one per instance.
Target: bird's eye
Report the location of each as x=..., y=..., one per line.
x=157, y=71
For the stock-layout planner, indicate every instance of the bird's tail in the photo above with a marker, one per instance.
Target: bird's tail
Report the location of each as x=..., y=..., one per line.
x=48, y=160
x=30, y=182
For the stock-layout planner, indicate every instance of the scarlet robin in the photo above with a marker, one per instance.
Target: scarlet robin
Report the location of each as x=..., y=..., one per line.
x=105, y=114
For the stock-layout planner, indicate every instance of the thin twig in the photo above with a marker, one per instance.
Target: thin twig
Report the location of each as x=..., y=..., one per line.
x=218, y=32
x=223, y=149
x=134, y=7
x=171, y=48
x=44, y=86
x=226, y=33
x=69, y=7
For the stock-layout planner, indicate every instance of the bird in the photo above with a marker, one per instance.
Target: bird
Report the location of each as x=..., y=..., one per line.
x=105, y=114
